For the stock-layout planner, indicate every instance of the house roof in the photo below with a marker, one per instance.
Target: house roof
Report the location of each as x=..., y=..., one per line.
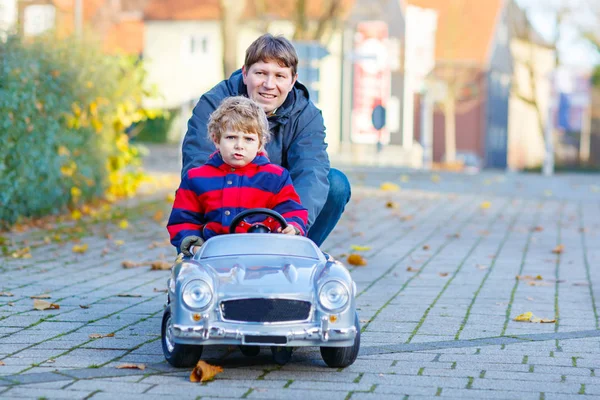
x=125, y=37
x=521, y=28
x=465, y=29
x=194, y=10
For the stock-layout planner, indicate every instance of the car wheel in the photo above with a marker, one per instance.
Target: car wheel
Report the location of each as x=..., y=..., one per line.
x=342, y=357
x=178, y=355
x=281, y=355
x=250, y=351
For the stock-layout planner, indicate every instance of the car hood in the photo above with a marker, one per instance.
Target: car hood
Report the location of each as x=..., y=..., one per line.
x=237, y=276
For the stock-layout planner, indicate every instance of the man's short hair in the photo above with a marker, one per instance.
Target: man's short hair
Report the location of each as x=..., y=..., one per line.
x=272, y=48
x=239, y=114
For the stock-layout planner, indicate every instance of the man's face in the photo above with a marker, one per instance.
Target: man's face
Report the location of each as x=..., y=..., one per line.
x=238, y=149
x=268, y=84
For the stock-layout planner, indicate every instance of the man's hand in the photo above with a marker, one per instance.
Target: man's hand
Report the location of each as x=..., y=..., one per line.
x=289, y=230
x=188, y=243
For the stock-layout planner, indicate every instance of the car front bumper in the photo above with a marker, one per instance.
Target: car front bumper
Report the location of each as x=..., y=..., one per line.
x=306, y=334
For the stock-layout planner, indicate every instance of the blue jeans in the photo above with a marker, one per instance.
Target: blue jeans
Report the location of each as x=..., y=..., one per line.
x=338, y=197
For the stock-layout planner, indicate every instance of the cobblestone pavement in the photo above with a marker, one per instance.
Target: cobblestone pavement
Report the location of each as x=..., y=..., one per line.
x=436, y=300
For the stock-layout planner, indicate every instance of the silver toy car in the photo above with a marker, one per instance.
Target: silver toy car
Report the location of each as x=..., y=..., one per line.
x=260, y=289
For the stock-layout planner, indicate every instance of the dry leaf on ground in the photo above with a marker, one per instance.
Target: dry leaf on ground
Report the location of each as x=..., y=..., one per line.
x=529, y=298
x=391, y=204
x=537, y=229
x=454, y=236
x=204, y=372
x=485, y=205
x=158, y=216
x=40, y=296
x=2, y=363
x=160, y=290
x=131, y=366
x=529, y=278
x=44, y=305
x=80, y=248
x=411, y=269
x=529, y=317
x=123, y=224
x=443, y=274
x=82, y=306
x=389, y=187
x=426, y=247
x=132, y=264
x=100, y=335
x=406, y=218
x=6, y=294
x=356, y=259
x=160, y=265
x=360, y=248
x=558, y=249
x=129, y=295
x=543, y=320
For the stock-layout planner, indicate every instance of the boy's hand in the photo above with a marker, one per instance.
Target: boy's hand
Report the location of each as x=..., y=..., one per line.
x=189, y=243
x=289, y=230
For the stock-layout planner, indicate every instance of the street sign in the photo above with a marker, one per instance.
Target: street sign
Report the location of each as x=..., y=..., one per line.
x=378, y=117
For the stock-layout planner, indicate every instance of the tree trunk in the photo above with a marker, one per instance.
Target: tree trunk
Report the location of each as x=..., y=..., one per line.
x=450, y=127
x=231, y=12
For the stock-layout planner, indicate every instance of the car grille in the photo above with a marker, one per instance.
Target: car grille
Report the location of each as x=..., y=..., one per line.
x=265, y=310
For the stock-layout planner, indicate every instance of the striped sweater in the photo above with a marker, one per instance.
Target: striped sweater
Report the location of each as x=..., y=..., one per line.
x=210, y=196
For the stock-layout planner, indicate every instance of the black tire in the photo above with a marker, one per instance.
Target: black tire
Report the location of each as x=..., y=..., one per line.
x=281, y=355
x=249, y=351
x=178, y=355
x=342, y=357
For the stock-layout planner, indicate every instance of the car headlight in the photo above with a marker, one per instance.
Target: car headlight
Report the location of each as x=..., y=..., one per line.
x=333, y=296
x=197, y=294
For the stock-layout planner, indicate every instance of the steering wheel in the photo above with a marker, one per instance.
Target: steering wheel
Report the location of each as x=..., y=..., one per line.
x=257, y=227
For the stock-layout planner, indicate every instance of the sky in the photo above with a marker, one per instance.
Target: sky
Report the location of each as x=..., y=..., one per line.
x=574, y=50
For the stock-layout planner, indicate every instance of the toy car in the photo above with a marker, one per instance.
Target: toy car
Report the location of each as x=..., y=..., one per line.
x=260, y=289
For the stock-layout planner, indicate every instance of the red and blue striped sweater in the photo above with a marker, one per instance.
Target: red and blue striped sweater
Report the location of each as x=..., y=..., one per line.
x=210, y=196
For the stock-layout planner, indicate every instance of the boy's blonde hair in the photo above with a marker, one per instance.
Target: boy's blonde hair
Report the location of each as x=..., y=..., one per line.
x=239, y=114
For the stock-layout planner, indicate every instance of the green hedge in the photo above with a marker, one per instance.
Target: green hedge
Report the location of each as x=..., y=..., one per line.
x=63, y=110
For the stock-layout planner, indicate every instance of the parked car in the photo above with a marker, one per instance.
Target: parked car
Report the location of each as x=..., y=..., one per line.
x=260, y=289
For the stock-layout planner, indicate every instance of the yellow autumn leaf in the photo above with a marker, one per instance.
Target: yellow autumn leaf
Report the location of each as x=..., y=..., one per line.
x=389, y=187
x=76, y=215
x=435, y=178
x=123, y=224
x=158, y=216
x=119, y=242
x=485, y=205
x=356, y=247
x=75, y=192
x=42, y=305
x=170, y=198
x=558, y=249
x=131, y=366
x=80, y=248
x=391, y=204
x=357, y=260
x=204, y=372
x=525, y=317
x=160, y=265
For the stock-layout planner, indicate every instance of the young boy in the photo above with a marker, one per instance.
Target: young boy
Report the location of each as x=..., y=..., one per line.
x=238, y=176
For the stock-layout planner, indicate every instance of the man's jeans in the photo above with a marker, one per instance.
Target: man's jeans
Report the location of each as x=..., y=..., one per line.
x=338, y=197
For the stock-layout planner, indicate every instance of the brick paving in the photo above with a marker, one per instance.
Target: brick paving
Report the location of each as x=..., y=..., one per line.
x=436, y=300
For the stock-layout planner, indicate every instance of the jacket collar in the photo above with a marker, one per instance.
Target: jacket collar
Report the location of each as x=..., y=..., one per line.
x=215, y=160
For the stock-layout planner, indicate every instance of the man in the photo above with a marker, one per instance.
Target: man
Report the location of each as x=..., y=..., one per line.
x=269, y=77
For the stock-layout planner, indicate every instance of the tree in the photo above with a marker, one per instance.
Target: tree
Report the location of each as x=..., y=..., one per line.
x=231, y=14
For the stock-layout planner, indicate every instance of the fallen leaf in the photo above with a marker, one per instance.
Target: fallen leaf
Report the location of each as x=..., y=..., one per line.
x=204, y=372
x=391, y=204
x=435, y=178
x=40, y=296
x=80, y=248
x=356, y=259
x=132, y=264
x=158, y=216
x=529, y=298
x=443, y=274
x=164, y=243
x=542, y=320
x=359, y=248
x=454, y=236
x=100, y=335
x=131, y=366
x=50, y=361
x=537, y=229
x=389, y=187
x=170, y=198
x=525, y=317
x=406, y=218
x=537, y=283
x=11, y=304
x=529, y=278
x=6, y=294
x=129, y=295
x=82, y=306
x=2, y=363
x=404, y=178
x=123, y=224
x=25, y=252
x=485, y=205
x=44, y=305
x=160, y=290
x=119, y=242
x=160, y=265
x=558, y=249
x=411, y=269
x=426, y=247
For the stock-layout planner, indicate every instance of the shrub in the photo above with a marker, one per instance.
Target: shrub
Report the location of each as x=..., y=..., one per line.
x=64, y=107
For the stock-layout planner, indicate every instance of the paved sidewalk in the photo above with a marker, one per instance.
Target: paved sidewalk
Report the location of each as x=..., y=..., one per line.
x=437, y=298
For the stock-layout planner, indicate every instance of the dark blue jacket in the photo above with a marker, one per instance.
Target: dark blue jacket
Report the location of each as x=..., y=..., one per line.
x=297, y=143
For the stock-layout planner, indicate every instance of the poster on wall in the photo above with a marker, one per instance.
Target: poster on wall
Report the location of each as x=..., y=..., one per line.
x=372, y=81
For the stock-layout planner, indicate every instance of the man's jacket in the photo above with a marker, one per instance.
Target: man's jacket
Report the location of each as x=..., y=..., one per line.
x=210, y=196
x=297, y=144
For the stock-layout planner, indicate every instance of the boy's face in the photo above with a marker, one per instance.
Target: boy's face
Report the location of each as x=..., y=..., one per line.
x=238, y=149
x=268, y=83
